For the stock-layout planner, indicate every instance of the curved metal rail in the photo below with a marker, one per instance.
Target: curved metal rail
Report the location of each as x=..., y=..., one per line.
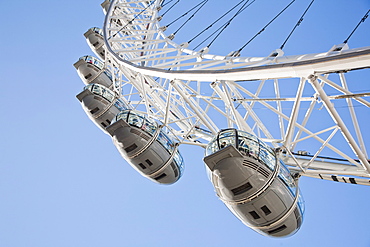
x=278, y=98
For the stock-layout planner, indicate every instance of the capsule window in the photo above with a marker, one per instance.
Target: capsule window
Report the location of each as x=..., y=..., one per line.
x=254, y=215
x=279, y=229
x=160, y=176
x=142, y=166
x=93, y=111
x=131, y=148
x=103, y=124
x=108, y=121
x=88, y=76
x=242, y=189
x=96, y=43
x=266, y=210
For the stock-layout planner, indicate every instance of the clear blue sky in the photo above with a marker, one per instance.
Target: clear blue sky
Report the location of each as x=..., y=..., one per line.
x=62, y=182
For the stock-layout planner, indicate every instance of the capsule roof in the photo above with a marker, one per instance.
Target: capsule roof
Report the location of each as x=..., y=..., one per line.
x=101, y=90
x=144, y=124
x=85, y=69
x=235, y=138
x=105, y=6
x=94, y=30
x=107, y=94
x=91, y=60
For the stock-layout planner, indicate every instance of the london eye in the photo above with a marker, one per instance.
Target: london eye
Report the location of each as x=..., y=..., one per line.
x=262, y=121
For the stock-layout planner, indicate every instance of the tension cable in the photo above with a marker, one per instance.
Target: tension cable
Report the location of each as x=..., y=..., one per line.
x=169, y=7
x=263, y=29
x=362, y=20
x=296, y=25
x=196, y=36
x=178, y=18
x=228, y=23
x=204, y=2
x=222, y=27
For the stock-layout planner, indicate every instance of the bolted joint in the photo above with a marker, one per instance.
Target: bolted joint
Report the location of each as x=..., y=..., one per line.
x=312, y=77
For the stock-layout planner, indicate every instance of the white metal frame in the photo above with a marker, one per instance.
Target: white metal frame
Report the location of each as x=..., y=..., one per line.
x=196, y=94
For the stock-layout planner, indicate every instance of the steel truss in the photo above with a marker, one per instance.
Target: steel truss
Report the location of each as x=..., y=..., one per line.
x=294, y=103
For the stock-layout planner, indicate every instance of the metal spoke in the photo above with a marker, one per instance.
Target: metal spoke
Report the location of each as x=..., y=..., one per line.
x=195, y=93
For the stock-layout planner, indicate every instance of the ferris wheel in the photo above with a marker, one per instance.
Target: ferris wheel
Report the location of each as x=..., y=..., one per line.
x=263, y=121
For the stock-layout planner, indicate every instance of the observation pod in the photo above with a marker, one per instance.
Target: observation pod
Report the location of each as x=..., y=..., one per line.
x=253, y=183
x=91, y=70
x=100, y=104
x=145, y=145
x=105, y=6
x=94, y=38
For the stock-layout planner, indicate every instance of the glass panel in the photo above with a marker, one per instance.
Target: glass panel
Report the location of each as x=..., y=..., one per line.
x=135, y=119
x=246, y=134
x=179, y=162
x=248, y=145
x=254, y=149
x=120, y=105
x=285, y=175
x=88, y=59
x=97, y=30
x=93, y=60
x=267, y=158
x=107, y=72
x=96, y=89
x=243, y=145
x=227, y=138
x=89, y=87
x=98, y=64
x=121, y=115
x=102, y=91
x=267, y=147
x=301, y=203
x=166, y=141
x=149, y=127
x=212, y=148
x=227, y=133
x=108, y=95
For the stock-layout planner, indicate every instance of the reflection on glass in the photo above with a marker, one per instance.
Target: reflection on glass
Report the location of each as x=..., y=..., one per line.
x=135, y=119
x=166, y=141
x=286, y=177
x=101, y=91
x=94, y=61
x=106, y=94
x=139, y=120
x=99, y=64
x=149, y=126
x=247, y=135
x=250, y=145
x=212, y=147
x=284, y=174
x=97, y=30
x=120, y=105
x=108, y=74
x=247, y=144
x=301, y=203
x=179, y=162
x=226, y=138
